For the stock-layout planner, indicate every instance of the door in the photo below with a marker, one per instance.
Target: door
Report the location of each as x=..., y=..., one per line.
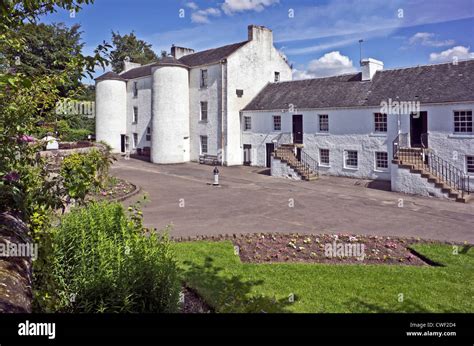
x=298, y=128
x=270, y=148
x=122, y=143
x=247, y=158
x=419, y=129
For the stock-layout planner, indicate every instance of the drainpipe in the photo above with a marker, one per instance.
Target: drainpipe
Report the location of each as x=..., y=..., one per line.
x=223, y=102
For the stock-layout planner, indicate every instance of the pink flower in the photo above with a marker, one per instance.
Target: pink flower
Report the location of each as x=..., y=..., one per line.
x=26, y=139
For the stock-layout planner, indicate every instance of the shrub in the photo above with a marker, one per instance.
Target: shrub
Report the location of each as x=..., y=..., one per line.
x=104, y=262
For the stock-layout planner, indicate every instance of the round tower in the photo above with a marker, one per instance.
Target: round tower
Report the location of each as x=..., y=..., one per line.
x=111, y=110
x=170, y=112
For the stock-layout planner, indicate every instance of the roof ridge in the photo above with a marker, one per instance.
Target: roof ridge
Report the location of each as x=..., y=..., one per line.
x=426, y=65
x=207, y=50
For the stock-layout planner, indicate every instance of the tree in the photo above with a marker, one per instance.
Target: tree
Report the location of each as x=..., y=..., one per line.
x=47, y=49
x=129, y=46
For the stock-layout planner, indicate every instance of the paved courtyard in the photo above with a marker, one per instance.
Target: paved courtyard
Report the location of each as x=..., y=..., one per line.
x=251, y=201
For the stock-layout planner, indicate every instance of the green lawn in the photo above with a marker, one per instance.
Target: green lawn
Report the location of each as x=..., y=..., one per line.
x=228, y=285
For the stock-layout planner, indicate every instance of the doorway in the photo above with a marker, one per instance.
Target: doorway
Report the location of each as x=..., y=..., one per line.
x=298, y=128
x=270, y=149
x=419, y=129
x=122, y=143
x=247, y=157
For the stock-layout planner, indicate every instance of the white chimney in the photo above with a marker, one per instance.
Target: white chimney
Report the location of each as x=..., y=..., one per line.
x=260, y=33
x=128, y=65
x=178, y=52
x=369, y=67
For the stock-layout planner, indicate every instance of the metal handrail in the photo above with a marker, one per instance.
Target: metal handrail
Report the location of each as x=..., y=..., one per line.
x=310, y=165
x=428, y=161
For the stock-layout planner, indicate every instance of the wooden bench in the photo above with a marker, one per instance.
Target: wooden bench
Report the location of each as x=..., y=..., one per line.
x=208, y=160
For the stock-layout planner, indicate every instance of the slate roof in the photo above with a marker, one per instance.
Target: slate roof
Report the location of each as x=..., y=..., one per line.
x=427, y=84
x=110, y=76
x=211, y=55
x=200, y=58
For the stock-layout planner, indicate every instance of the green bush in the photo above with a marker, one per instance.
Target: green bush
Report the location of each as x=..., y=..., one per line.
x=102, y=261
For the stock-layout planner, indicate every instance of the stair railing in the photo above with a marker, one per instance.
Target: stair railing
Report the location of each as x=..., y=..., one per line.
x=310, y=165
x=401, y=141
x=449, y=174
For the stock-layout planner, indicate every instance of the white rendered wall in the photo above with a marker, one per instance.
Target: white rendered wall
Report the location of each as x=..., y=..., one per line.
x=170, y=120
x=249, y=68
x=349, y=129
x=211, y=95
x=405, y=181
x=111, y=112
x=143, y=102
x=282, y=170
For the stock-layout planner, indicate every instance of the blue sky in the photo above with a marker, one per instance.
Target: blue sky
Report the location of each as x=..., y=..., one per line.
x=319, y=37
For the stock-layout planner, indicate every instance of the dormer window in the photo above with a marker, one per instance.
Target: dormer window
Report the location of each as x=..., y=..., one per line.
x=203, y=78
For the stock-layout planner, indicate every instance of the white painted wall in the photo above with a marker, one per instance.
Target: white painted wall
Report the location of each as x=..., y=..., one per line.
x=111, y=112
x=170, y=121
x=250, y=68
x=211, y=94
x=282, y=170
x=143, y=102
x=405, y=181
x=349, y=129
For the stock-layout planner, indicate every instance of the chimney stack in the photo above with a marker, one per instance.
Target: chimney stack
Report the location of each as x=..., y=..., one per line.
x=128, y=65
x=178, y=52
x=260, y=33
x=369, y=67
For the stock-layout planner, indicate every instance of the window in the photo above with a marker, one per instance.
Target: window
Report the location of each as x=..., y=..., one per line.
x=148, y=133
x=380, y=122
x=135, y=140
x=324, y=157
x=323, y=123
x=203, y=78
x=350, y=159
x=203, y=144
x=203, y=111
x=247, y=123
x=135, y=89
x=135, y=115
x=381, y=160
x=276, y=123
x=463, y=121
x=277, y=76
x=470, y=164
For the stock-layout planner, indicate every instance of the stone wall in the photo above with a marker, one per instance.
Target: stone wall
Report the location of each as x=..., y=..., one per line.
x=15, y=272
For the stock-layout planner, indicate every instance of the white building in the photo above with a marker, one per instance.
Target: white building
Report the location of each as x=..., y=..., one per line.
x=187, y=105
x=237, y=104
x=412, y=126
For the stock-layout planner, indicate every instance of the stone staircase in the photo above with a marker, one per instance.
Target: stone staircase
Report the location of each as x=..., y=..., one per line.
x=416, y=161
x=286, y=154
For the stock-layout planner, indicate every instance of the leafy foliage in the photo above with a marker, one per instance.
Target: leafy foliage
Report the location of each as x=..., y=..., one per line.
x=103, y=261
x=129, y=46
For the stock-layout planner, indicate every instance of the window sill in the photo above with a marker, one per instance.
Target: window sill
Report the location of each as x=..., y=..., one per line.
x=351, y=168
x=461, y=135
x=378, y=134
x=202, y=121
x=379, y=170
x=324, y=166
x=322, y=134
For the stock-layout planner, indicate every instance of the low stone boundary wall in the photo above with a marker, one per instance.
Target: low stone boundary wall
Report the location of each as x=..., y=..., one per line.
x=15, y=268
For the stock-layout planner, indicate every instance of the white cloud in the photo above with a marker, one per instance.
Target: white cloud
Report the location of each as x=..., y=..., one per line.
x=428, y=39
x=192, y=5
x=231, y=6
x=330, y=64
x=202, y=16
x=452, y=54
